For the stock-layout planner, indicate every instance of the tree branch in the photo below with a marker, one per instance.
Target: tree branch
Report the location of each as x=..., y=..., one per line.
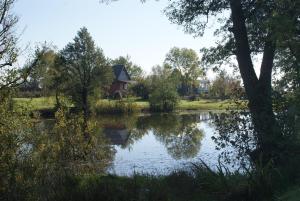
x=265, y=77
x=243, y=52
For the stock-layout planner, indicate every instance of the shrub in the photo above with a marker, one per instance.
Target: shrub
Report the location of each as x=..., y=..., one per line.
x=164, y=98
x=141, y=89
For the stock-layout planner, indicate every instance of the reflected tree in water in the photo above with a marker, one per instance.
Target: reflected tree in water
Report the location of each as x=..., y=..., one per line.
x=179, y=134
x=235, y=137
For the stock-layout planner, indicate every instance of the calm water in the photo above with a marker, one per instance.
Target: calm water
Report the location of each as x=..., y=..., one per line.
x=158, y=144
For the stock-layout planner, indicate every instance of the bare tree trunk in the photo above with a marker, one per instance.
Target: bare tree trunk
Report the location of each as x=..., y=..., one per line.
x=257, y=90
x=57, y=99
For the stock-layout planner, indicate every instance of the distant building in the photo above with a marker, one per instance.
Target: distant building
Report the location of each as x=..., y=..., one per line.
x=117, y=136
x=119, y=87
x=203, y=86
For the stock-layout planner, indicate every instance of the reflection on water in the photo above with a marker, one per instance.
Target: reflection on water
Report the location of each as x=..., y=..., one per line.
x=42, y=158
x=159, y=143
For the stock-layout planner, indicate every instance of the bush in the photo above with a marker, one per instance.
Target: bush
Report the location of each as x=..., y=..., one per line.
x=141, y=89
x=164, y=98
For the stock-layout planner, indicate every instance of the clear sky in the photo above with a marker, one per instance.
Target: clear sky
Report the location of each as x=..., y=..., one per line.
x=140, y=30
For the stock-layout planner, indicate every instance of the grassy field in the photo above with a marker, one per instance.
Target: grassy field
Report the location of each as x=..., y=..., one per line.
x=44, y=103
x=36, y=103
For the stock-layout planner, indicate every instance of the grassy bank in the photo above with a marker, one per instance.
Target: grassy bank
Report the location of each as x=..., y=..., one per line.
x=198, y=183
x=105, y=106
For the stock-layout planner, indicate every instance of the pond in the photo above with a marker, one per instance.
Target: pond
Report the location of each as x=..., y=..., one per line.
x=70, y=153
x=160, y=143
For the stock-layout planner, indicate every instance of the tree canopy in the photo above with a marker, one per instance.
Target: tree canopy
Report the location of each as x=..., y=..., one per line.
x=10, y=75
x=186, y=63
x=85, y=69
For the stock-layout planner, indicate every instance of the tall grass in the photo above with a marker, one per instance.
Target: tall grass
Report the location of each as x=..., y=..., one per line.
x=115, y=107
x=197, y=182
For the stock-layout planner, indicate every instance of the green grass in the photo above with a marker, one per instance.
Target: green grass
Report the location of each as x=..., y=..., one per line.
x=204, y=104
x=36, y=103
x=196, y=184
x=44, y=103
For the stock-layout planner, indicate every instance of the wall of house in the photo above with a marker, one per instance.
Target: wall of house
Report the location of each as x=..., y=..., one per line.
x=118, y=86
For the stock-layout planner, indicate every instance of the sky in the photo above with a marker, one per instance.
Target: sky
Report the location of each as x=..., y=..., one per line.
x=125, y=27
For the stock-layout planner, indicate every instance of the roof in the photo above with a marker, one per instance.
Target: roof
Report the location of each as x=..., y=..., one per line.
x=121, y=73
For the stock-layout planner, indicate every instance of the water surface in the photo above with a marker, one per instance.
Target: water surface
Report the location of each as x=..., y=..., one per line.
x=160, y=143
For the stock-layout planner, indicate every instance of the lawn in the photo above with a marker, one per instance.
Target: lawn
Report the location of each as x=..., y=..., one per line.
x=204, y=104
x=40, y=103
x=44, y=103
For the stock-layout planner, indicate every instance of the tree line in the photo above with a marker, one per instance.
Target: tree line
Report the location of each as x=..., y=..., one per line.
x=81, y=72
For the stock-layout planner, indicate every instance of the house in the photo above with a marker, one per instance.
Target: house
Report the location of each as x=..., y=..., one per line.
x=119, y=87
x=117, y=136
x=203, y=86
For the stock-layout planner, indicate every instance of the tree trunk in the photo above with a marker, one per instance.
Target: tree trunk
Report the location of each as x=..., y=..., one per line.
x=85, y=102
x=57, y=99
x=85, y=108
x=258, y=90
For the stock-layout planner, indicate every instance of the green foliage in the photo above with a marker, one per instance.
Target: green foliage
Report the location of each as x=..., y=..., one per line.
x=10, y=76
x=186, y=68
x=15, y=153
x=40, y=78
x=225, y=87
x=85, y=69
x=36, y=161
x=197, y=182
x=164, y=98
x=141, y=88
x=73, y=145
x=262, y=19
x=48, y=104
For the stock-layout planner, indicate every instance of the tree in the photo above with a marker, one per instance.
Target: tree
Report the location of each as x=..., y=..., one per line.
x=85, y=69
x=134, y=70
x=225, y=86
x=186, y=62
x=10, y=75
x=180, y=135
x=142, y=87
x=163, y=96
x=44, y=59
x=253, y=28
